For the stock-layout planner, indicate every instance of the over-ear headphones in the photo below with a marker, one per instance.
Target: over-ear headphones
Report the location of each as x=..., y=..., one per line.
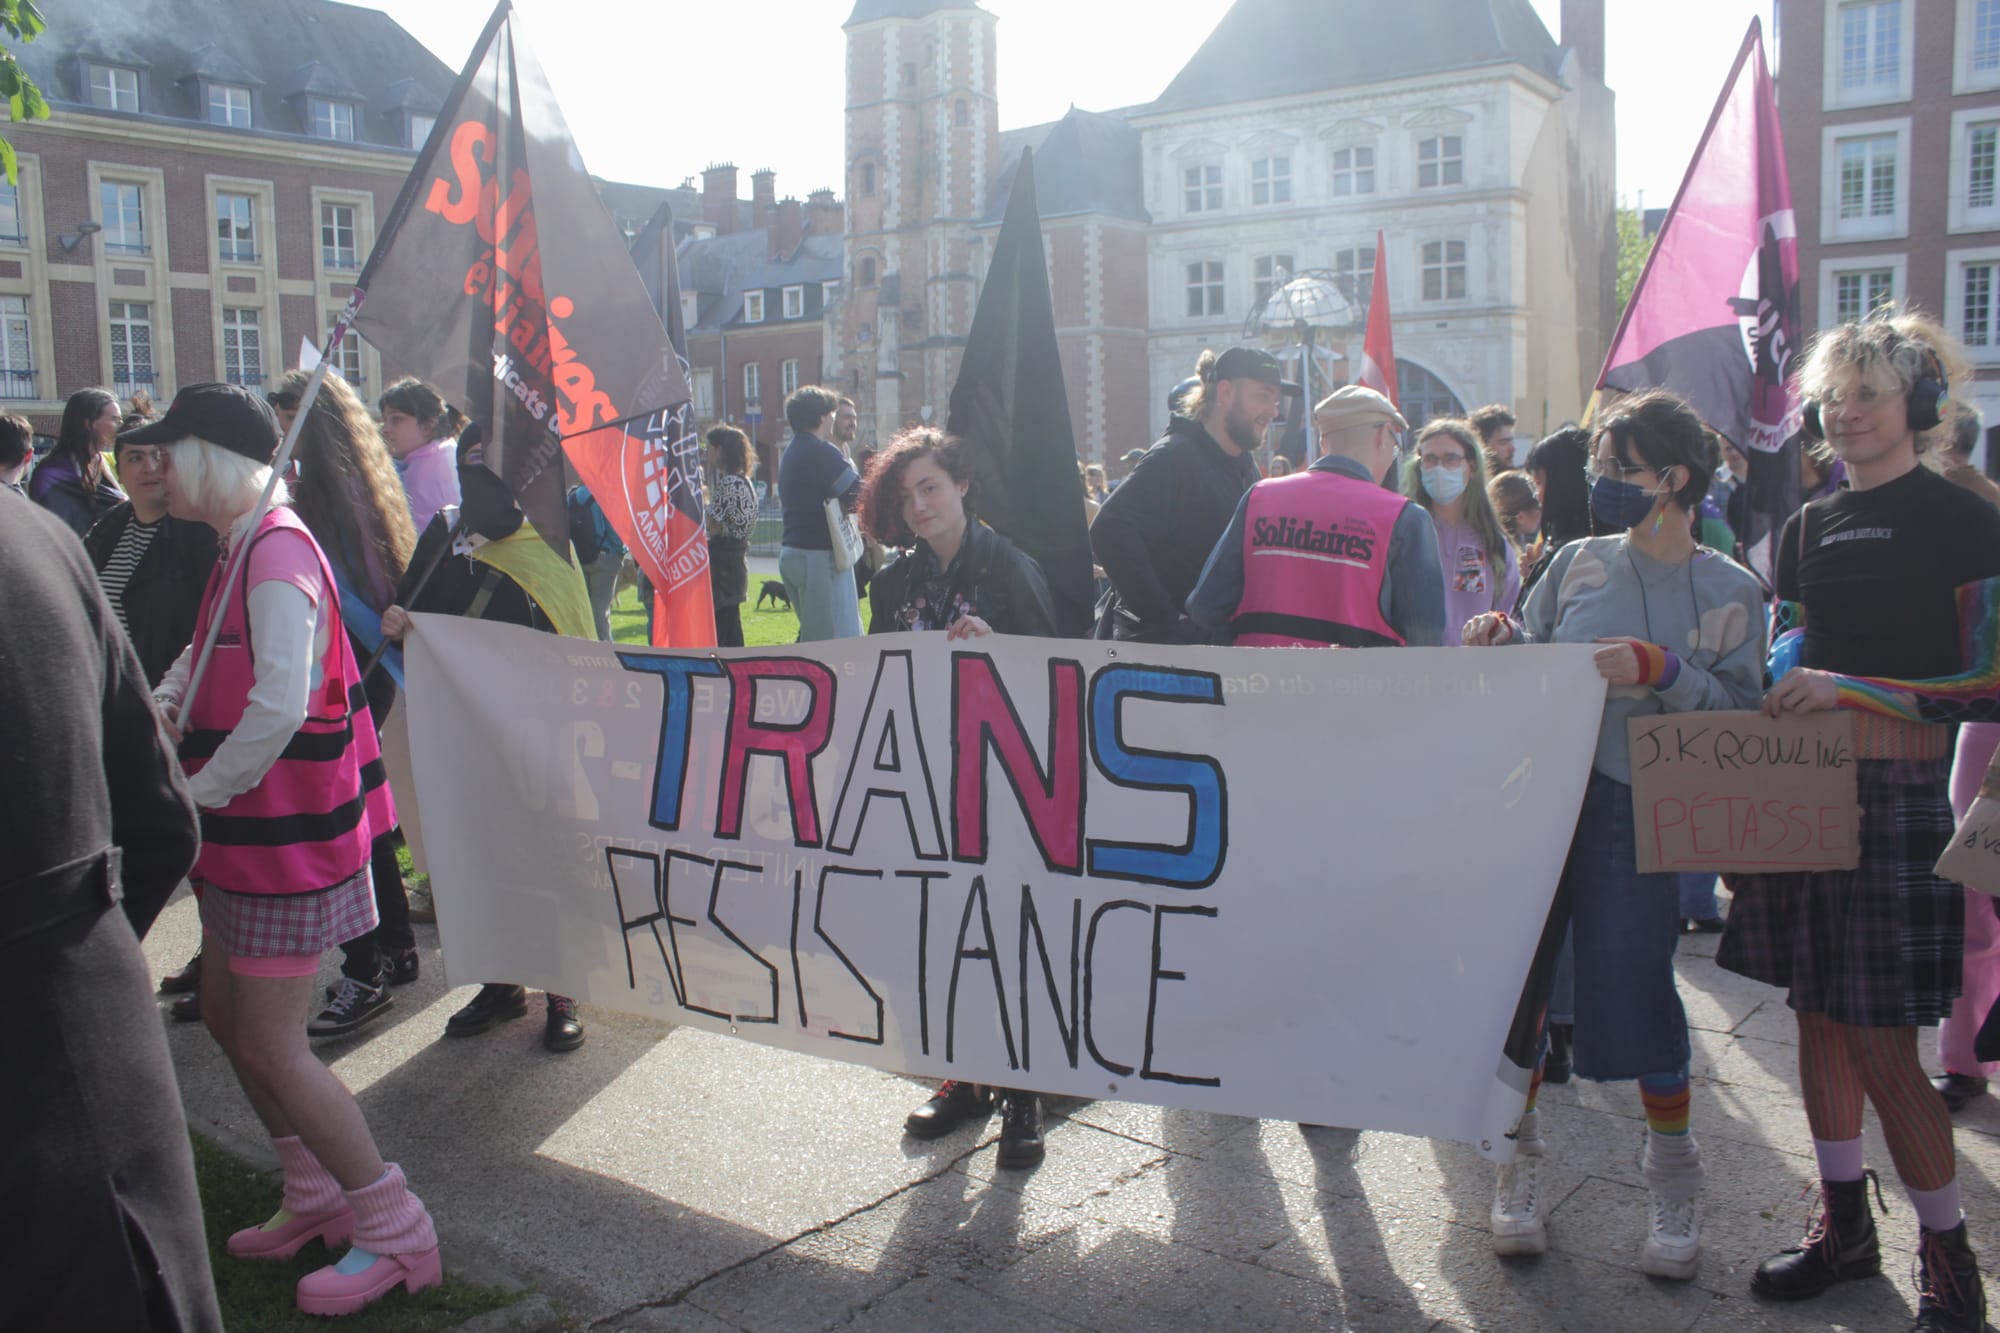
x=1929, y=397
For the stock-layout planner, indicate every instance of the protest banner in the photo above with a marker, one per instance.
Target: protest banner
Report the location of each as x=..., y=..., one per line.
x=1744, y=792
x=1973, y=858
x=1296, y=884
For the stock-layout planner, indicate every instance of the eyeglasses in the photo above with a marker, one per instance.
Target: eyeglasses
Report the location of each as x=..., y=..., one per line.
x=1430, y=462
x=1611, y=467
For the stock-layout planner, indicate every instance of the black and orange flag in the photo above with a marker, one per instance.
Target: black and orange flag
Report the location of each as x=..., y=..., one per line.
x=500, y=278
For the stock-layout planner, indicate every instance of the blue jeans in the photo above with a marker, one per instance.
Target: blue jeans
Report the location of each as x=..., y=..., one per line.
x=1625, y=925
x=1698, y=896
x=823, y=597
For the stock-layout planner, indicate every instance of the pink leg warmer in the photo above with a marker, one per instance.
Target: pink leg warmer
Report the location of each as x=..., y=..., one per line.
x=309, y=1186
x=388, y=1219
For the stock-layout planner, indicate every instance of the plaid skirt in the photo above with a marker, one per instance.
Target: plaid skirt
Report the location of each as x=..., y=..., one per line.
x=1877, y=946
x=278, y=925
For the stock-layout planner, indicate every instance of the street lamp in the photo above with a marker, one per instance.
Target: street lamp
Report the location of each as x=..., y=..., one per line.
x=1298, y=311
x=70, y=240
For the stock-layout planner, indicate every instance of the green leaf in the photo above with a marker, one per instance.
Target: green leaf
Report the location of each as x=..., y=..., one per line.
x=38, y=107
x=7, y=161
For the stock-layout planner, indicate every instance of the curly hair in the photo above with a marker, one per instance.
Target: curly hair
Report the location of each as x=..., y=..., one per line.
x=1479, y=515
x=347, y=492
x=1890, y=350
x=882, y=492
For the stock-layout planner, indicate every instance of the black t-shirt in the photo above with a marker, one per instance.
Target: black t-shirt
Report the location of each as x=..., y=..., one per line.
x=1878, y=573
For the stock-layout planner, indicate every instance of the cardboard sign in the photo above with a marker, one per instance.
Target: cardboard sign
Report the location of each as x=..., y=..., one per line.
x=1744, y=792
x=1973, y=858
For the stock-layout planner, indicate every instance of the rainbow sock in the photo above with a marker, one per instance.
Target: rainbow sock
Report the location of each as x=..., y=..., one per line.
x=1666, y=1099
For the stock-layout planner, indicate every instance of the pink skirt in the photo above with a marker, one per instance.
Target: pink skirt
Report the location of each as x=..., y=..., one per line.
x=276, y=925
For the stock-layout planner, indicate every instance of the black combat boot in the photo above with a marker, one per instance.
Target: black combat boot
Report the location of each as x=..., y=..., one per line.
x=1841, y=1244
x=1950, y=1296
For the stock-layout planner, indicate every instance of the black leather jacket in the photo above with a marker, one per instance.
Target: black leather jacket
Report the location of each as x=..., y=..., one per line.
x=164, y=593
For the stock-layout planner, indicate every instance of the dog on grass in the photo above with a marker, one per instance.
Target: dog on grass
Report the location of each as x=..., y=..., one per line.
x=774, y=592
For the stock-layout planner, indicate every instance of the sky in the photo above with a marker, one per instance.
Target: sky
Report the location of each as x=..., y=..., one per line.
x=655, y=90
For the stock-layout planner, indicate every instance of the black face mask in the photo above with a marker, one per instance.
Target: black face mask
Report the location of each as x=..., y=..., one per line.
x=487, y=504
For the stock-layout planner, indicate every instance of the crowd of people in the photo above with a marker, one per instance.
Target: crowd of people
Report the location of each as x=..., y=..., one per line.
x=233, y=648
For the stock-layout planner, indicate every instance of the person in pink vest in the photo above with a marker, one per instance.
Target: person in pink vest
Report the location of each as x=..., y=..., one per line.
x=1329, y=557
x=282, y=762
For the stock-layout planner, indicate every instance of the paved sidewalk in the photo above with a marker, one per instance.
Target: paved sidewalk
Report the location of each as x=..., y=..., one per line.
x=669, y=1179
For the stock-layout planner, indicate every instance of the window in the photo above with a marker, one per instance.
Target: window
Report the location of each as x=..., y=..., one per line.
x=788, y=377
x=1271, y=181
x=1867, y=177
x=124, y=217
x=1856, y=294
x=1441, y=161
x=1975, y=322
x=690, y=309
x=1204, y=288
x=337, y=238
x=1353, y=171
x=10, y=215
x=242, y=346
x=828, y=290
x=961, y=113
x=347, y=358
x=867, y=178
x=1356, y=271
x=795, y=304
x=131, y=347
x=328, y=119
x=229, y=104
x=420, y=129
x=753, y=383
x=17, y=370
x=753, y=307
x=236, y=228
x=1985, y=48
x=704, y=393
x=1982, y=143
x=1972, y=199
x=909, y=74
x=865, y=271
x=114, y=88
x=1268, y=272
x=1871, y=48
x=1444, y=270
x=1202, y=189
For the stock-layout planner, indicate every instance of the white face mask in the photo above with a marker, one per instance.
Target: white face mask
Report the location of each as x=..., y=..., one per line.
x=1444, y=484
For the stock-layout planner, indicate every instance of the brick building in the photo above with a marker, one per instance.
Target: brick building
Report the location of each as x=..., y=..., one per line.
x=204, y=192
x=1891, y=111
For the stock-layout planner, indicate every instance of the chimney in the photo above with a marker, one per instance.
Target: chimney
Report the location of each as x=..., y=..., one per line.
x=1583, y=33
x=763, y=197
x=788, y=228
x=824, y=215
x=718, y=197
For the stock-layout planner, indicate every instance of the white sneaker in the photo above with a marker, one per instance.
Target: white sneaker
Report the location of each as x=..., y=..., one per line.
x=1673, y=1243
x=1517, y=1203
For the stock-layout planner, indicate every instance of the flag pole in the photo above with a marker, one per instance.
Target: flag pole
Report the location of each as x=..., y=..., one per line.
x=286, y=449
x=423, y=581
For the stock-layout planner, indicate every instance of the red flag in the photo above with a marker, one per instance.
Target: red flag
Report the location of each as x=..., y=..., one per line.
x=1715, y=316
x=1378, y=348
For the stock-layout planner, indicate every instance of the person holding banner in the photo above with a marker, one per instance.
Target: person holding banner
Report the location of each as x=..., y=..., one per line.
x=291, y=798
x=487, y=561
x=421, y=428
x=1679, y=628
x=962, y=577
x=813, y=472
x=1329, y=556
x=1888, y=589
x=348, y=497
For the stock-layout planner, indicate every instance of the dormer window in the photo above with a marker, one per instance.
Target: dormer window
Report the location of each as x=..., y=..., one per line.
x=420, y=127
x=229, y=104
x=753, y=307
x=113, y=87
x=328, y=118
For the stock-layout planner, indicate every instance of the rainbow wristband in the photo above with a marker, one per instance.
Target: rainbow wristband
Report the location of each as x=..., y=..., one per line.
x=1658, y=667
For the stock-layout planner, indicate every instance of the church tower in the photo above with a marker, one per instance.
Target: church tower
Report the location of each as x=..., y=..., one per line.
x=923, y=148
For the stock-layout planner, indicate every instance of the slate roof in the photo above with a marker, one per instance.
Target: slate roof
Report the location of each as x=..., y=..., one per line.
x=1278, y=48
x=1087, y=162
x=273, y=47
x=720, y=269
x=867, y=11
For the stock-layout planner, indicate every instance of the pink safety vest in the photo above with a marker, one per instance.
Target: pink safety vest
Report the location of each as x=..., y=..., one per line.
x=1315, y=555
x=309, y=823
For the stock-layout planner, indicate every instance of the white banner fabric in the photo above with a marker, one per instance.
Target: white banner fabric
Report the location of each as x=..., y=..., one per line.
x=1295, y=884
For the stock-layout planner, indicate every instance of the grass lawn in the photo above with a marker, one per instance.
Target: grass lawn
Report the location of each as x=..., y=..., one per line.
x=771, y=627
x=260, y=1296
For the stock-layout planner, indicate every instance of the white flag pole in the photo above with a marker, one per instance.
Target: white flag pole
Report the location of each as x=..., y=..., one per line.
x=234, y=564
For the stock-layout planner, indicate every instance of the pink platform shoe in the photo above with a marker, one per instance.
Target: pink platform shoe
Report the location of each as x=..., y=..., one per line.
x=328, y=1291
x=288, y=1233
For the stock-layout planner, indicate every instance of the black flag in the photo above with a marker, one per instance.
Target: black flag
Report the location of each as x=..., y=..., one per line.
x=1011, y=406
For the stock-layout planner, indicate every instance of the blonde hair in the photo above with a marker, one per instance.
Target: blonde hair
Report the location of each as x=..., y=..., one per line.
x=1889, y=351
x=214, y=479
x=1195, y=406
x=1479, y=515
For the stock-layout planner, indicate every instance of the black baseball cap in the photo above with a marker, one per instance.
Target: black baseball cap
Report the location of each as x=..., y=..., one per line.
x=228, y=416
x=1253, y=363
